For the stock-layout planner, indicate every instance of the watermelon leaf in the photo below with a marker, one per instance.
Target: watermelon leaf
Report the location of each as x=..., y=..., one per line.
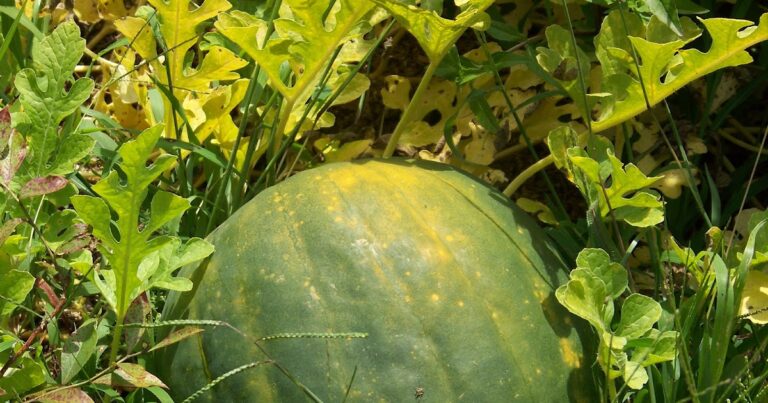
x=585, y=295
x=137, y=260
x=590, y=294
x=47, y=95
x=176, y=26
x=625, y=195
x=435, y=34
x=638, y=314
x=664, y=65
x=304, y=40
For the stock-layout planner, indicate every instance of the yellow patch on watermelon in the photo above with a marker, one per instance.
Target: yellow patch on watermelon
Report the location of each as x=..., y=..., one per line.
x=570, y=357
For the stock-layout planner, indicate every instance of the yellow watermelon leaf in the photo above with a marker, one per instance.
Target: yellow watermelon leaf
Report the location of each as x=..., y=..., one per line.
x=664, y=67
x=334, y=152
x=754, y=298
x=396, y=94
x=94, y=11
x=481, y=147
x=137, y=30
x=541, y=210
x=125, y=85
x=435, y=34
x=179, y=26
x=303, y=39
x=217, y=120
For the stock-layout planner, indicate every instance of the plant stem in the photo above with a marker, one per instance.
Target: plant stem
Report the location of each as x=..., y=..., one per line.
x=285, y=114
x=612, y=390
x=407, y=115
x=528, y=173
x=116, y=336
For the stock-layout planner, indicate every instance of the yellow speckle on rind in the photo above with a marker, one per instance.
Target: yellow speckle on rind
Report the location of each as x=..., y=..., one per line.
x=435, y=298
x=570, y=357
x=313, y=293
x=540, y=295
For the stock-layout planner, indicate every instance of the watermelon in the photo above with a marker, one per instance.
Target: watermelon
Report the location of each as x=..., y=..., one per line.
x=452, y=284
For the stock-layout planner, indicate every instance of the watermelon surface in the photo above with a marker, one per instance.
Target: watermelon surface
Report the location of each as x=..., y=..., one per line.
x=452, y=283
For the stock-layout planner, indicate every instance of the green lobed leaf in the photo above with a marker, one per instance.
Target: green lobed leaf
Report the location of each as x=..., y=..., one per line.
x=47, y=95
x=565, y=63
x=666, y=67
x=598, y=262
x=127, y=278
x=634, y=375
x=625, y=196
x=638, y=315
x=586, y=296
x=656, y=347
x=179, y=25
x=156, y=270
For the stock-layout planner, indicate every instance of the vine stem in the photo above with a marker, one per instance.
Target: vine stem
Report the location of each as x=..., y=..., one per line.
x=116, y=336
x=33, y=336
x=277, y=142
x=528, y=173
x=407, y=115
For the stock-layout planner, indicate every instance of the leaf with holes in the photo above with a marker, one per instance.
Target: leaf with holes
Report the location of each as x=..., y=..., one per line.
x=179, y=27
x=665, y=65
x=305, y=40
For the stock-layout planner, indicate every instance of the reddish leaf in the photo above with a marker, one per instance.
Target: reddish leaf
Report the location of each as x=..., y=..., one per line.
x=130, y=376
x=76, y=244
x=17, y=151
x=8, y=227
x=71, y=395
x=5, y=128
x=177, y=336
x=42, y=186
x=137, y=313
